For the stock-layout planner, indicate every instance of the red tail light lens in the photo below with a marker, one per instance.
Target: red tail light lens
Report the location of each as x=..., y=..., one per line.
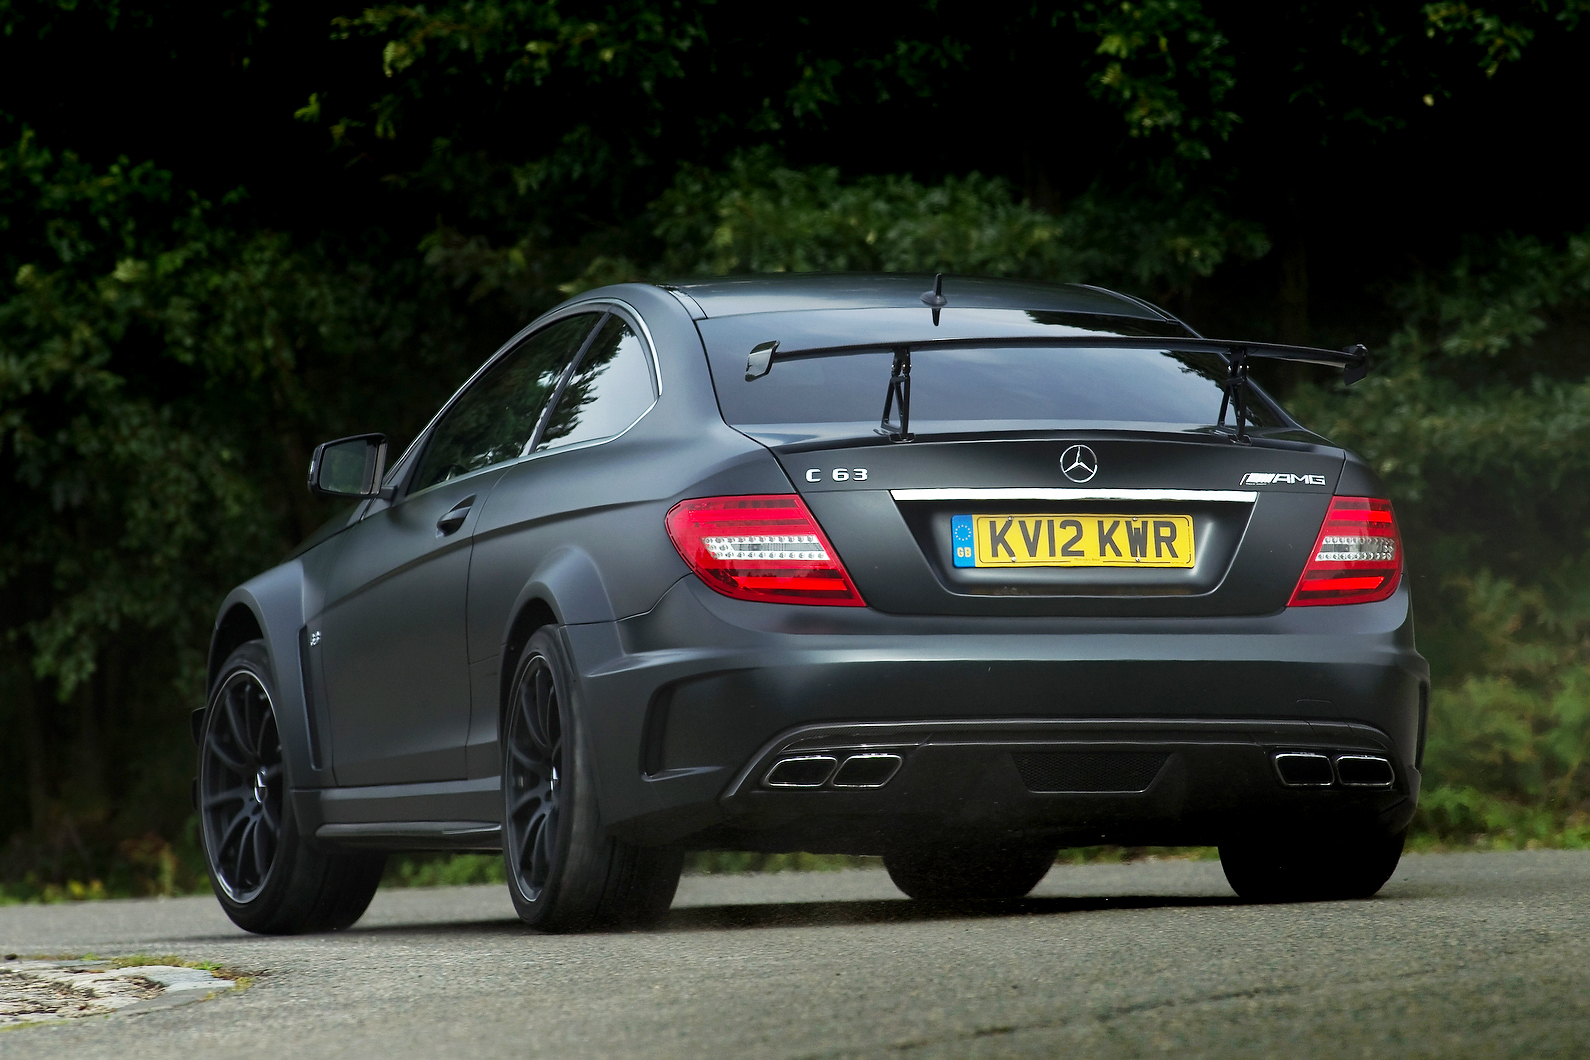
x=1357, y=558
x=765, y=548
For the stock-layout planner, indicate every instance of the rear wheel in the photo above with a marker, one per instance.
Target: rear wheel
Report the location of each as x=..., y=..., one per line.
x=968, y=872
x=268, y=877
x=1328, y=869
x=564, y=872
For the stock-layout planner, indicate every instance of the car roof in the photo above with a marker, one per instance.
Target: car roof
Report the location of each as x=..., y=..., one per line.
x=786, y=292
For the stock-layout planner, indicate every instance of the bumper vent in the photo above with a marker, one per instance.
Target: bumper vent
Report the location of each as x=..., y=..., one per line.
x=1089, y=771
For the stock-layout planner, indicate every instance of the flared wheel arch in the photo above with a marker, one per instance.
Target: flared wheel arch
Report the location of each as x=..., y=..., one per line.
x=531, y=617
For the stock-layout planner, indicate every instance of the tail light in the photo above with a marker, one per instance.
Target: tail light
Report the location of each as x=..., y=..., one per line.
x=765, y=548
x=1357, y=557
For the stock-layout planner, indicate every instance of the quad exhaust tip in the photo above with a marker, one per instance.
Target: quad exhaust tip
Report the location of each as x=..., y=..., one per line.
x=1312, y=769
x=802, y=771
x=1364, y=771
x=867, y=770
x=1302, y=769
x=872, y=770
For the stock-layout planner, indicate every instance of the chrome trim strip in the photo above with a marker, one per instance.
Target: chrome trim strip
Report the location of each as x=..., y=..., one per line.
x=1051, y=494
x=651, y=346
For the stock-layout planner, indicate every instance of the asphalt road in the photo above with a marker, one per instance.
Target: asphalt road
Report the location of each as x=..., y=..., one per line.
x=1482, y=955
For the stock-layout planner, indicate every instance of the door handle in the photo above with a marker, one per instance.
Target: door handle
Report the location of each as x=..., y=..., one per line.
x=455, y=517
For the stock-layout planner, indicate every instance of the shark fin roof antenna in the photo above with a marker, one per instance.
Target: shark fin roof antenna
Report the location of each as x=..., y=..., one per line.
x=935, y=299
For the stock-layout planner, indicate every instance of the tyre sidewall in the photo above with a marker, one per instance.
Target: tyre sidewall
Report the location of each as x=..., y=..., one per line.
x=969, y=872
x=1348, y=864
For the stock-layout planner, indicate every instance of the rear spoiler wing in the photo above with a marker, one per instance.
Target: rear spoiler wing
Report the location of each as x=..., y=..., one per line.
x=1353, y=361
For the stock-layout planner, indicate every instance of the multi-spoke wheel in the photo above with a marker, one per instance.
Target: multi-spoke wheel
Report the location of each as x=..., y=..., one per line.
x=564, y=872
x=534, y=747
x=240, y=790
x=268, y=878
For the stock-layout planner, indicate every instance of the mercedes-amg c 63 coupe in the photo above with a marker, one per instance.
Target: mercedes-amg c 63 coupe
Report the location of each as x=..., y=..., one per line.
x=957, y=572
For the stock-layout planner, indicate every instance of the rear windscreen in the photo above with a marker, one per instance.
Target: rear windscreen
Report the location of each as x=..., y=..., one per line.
x=1066, y=384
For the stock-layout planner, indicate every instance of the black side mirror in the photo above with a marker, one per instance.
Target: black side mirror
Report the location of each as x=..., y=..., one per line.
x=348, y=467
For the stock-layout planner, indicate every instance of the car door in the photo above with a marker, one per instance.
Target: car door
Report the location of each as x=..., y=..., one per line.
x=551, y=501
x=393, y=637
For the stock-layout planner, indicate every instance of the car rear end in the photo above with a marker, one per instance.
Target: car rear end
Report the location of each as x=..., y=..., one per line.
x=1068, y=609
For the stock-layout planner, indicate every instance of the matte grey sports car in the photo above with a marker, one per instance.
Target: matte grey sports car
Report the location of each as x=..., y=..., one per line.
x=957, y=577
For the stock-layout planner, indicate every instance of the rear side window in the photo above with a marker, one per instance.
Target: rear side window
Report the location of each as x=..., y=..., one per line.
x=492, y=421
x=610, y=389
x=1001, y=384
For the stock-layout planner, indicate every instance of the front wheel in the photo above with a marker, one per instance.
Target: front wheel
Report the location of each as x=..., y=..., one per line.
x=1326, y=868
x=268, y=877
x=968, y=872
x=564, y=872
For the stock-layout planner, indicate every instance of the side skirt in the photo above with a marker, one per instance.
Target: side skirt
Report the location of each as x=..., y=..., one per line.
x=414, y=835
x=436, y=815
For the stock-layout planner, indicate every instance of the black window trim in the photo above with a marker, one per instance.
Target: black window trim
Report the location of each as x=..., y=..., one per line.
x=562, y=383
x=402, y=471
x=627, y=314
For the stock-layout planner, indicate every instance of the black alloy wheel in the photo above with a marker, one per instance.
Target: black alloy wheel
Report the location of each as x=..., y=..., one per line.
x=268, y=878
x=565, y=872
x=240, y=786
x=531, y=774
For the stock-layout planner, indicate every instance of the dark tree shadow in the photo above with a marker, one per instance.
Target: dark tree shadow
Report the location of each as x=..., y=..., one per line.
x=896, y=911
x=751, y=917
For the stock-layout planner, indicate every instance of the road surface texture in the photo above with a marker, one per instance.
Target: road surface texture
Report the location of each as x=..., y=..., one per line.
x=1468, y=955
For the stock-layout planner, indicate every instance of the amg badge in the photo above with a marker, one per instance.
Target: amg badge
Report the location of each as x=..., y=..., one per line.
x=1267, y=478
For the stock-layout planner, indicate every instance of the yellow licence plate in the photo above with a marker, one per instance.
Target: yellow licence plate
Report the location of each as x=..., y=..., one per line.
x=1072, y=540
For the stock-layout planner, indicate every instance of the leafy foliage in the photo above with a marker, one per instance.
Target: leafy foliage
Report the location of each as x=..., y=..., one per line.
x=1168, y=68
x=161, y=381
x=760, y=216
x=1479, y=420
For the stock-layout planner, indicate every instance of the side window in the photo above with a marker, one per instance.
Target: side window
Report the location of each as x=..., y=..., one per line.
x=610, y=388
x=493, y=420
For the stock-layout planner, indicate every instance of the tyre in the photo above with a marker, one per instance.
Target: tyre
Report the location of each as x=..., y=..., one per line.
x=268, y=877
x=564, y=872
x=968, y=872
x=1333, y=868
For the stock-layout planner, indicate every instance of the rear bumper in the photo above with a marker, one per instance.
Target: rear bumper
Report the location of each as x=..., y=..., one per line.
x=693, y=703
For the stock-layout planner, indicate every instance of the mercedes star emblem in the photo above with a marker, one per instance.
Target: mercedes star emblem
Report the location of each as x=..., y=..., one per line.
x=1079, y=464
